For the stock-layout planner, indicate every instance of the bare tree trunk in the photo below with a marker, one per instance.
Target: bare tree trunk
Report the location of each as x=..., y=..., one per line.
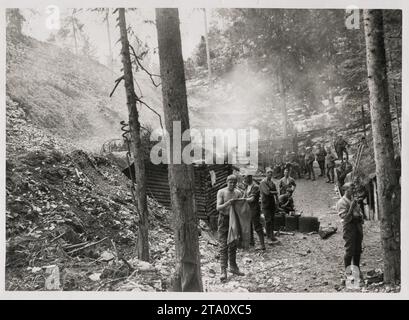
x=209, y=66
x=188, y=274
x=74, y=34
x=135, y=128
x=363, y=120
x=282, y=98
x=111, y=56
x=388, y=186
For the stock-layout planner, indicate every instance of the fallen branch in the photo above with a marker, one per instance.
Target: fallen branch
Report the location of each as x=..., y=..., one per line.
x=73, y=246
x=110, y=281
x=87, y=246
x=58, y=237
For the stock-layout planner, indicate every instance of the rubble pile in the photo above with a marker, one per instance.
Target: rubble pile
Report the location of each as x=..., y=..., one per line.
x=66, y=210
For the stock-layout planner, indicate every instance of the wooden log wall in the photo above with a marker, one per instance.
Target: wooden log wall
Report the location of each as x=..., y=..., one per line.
x=205, y=192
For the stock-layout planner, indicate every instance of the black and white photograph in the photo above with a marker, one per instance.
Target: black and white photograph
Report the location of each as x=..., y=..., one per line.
x=213, y=149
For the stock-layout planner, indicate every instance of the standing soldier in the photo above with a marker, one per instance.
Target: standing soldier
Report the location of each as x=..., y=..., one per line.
x=340, y=146
x=225, y=198
x=352, y=220
x=252, y=195
x=321, y=154
x=278, y=164
x=295, y=167
x=269, y=203
x=330, y=161
x=342, y=172
x=309, y=163
x=301, y=161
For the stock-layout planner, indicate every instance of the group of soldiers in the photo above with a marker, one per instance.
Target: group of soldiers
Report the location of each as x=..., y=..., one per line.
x=268, y=199
x=300, y=164
x=263, y=198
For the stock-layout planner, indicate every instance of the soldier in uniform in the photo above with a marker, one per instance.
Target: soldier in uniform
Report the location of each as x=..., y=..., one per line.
x=330, y=163
x=340, y=146
x=295, y=167
x=252, y=195
x=278, y=164
x=309, y=162
x=225, y=198
x=269, y=203
x=352, y=219
x=321, y=154
x=342, y=172
x=301, y=161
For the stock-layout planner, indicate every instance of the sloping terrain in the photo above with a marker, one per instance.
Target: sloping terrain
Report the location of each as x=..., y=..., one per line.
x=68, y=95
x=71, y=212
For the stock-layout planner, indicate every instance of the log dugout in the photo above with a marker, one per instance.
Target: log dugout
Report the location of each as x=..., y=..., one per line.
x=204, y=192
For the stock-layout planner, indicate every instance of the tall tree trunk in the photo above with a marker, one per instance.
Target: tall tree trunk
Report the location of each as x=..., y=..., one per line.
x=188, y=274
x=74, y=34
x=209, y=66
x=137, y=150
x=282, y=98
x=111, y=56
x=388, y=186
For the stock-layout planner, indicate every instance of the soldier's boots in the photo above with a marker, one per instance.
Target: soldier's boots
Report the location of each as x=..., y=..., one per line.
x=223, y=275
x=262, y=244
x=252, y=242
x=274, y=240
x=234, y=269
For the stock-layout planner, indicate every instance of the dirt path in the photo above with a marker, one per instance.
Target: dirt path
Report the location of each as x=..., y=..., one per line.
x=301, y=263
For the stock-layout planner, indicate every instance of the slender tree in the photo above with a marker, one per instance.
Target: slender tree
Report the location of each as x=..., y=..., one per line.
x=111, y=56
x=74, y=31
x=188, y=274
x=135, y=129
x=388, y=185
x=209, y=66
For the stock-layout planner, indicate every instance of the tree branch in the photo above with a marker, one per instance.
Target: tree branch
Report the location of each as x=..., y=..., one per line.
x=117, y=82
x=151, y=75
x=153, y=110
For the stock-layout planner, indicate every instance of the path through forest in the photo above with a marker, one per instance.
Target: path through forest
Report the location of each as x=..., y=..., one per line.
x=302, y=262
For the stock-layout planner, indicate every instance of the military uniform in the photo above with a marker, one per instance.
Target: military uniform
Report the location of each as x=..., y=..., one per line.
x=330, y=161
x=301, y=162
x=309, y=162
x=321, y=154
x=278, y=165
x=227, y=252
x=340, y=146
x=352, y=221
x=254, y=191
x=342, y=172
x=268, y=205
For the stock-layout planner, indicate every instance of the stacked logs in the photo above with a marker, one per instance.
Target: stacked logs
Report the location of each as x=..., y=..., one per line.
x=205, y=192
x=157, y=183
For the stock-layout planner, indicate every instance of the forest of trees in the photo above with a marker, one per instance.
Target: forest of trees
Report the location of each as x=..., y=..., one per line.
x=309, y=54
x=307, y=63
